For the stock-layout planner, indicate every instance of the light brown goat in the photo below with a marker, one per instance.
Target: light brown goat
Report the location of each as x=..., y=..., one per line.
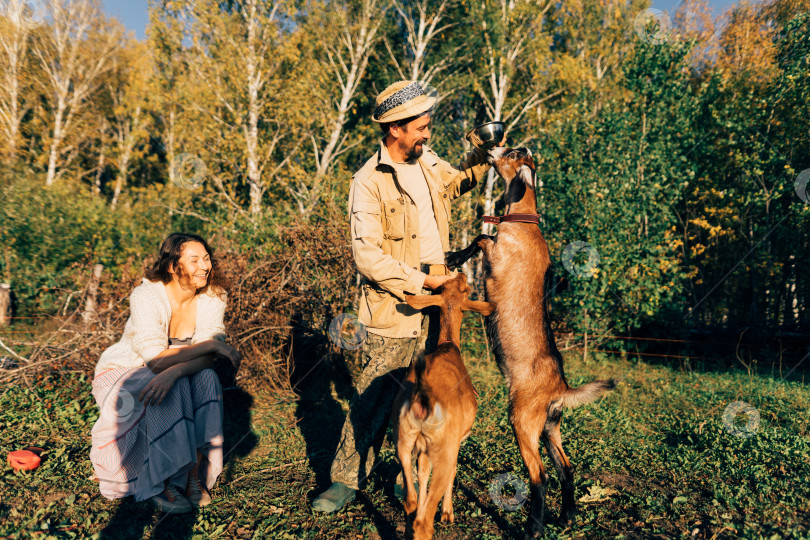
x=434, y=411
x=517, y=274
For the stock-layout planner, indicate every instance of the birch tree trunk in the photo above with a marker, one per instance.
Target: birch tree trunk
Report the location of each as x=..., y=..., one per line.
x=254, y=83
x=241, y=59
x=102, y=156
x=348, y=59
x=126, y=141
x=505, y=53
x=171, y=70
x=347, y=55
x=56, y=140
x=129, y=131
x=5, y=304
x=89, y=313
x=130, y=95
x=14, y=47
x=506, y=46
x=73, y=67
x=422, y=26
x=171, y=151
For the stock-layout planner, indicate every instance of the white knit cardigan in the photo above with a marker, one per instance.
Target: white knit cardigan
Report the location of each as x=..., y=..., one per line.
x=146, y=333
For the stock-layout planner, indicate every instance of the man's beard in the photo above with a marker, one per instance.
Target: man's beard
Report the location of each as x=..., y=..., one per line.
x=413, y=153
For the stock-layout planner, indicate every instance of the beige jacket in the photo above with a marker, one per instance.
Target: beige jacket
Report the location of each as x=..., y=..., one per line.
x=385, y=234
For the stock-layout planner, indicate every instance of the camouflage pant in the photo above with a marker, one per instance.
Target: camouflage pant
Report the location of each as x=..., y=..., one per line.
x=385, y=361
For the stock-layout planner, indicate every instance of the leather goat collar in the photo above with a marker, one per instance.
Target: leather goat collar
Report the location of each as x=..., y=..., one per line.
x=520, y=218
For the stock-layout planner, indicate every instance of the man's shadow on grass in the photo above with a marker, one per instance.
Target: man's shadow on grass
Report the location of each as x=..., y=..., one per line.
x=316, y=366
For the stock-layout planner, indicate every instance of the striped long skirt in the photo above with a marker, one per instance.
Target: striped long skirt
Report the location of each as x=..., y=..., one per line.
x=136, y=448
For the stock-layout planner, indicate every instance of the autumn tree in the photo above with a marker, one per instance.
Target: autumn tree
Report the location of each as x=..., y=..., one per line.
x=512, y=39
x=75, y=54
x=343, y=56
x=742, y=221
x=129, y=94
x=15, y=31
x=167, y=31
x=613, y=176
x=424, y=24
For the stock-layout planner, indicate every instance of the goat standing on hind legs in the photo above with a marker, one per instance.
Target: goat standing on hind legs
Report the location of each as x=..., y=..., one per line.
x=517, y=275
x=434, y=411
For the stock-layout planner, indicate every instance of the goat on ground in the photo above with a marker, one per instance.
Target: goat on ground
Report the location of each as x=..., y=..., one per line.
x=517, y=274
x=435, y=409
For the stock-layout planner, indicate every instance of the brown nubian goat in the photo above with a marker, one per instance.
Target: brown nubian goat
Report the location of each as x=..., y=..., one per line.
x=434, y=411
x=517, y=276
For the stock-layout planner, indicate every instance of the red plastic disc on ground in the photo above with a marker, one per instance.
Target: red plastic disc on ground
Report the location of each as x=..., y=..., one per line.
x=23, y=459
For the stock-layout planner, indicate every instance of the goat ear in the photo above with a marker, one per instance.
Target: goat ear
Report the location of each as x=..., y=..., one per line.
x=421, y=301
x=484, y=308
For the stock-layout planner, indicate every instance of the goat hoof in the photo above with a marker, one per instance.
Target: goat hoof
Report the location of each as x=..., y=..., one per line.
x=453, y=260
x=447, y=517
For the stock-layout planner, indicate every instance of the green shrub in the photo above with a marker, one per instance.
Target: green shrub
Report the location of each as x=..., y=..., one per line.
x=51, y=237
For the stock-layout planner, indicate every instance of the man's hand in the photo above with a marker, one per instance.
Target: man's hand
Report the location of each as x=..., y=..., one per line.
x=434, y=282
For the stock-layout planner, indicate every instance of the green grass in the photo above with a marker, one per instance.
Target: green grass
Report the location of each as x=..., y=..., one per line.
x=654, y=457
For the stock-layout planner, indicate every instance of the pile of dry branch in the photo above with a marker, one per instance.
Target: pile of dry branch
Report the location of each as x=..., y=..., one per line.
x=279, y=310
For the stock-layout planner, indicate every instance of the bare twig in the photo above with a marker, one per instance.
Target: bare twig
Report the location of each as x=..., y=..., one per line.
x=269, y=469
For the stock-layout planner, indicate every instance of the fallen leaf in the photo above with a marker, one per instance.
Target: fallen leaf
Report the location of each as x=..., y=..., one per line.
x=597, y=494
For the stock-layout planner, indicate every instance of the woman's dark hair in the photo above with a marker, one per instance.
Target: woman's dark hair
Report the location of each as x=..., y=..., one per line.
x=170, y=251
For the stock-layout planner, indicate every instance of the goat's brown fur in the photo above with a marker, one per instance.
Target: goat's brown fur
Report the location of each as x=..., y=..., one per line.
x=517, y=275
x=434, y=411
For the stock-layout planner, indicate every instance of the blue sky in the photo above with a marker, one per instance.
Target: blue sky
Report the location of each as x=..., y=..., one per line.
x=133, y=12
x=718, y=6
x=130, y=12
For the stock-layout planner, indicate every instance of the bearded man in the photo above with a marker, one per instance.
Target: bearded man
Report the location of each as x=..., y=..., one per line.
x=399, y=203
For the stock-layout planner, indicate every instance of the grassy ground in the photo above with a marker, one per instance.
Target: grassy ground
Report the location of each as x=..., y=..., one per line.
x=653, y=460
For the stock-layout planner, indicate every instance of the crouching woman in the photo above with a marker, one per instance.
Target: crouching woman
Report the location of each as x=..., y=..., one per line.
x=159, y=433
